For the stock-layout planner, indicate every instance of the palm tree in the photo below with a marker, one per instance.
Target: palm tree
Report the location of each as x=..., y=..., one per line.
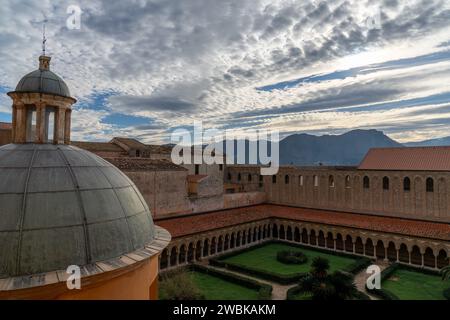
x=325, y=287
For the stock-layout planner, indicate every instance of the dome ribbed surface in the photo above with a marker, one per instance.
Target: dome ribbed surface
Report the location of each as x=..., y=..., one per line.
x=43, y=81
x=61, y=205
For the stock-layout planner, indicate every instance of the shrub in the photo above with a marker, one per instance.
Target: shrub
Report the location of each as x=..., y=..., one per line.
x=358, y=265
x=258, y=273
x=265, y=293
x=360, y=296
x=446, y=293
x=264, y=290
x=179, y=286
x=291, y=257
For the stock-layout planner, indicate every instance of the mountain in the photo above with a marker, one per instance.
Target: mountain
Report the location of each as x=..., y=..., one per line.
x=345, y=149
x=430, y=143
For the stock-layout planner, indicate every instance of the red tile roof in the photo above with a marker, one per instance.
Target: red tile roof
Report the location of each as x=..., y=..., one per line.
x=182, y=226
x=411, y=158
x=98, y=146
x=5, y=126
x=145, y=164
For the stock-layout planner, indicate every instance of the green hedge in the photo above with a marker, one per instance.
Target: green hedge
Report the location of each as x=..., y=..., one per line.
x=264, y=290
x=358, y=265
x=291, y=257
x=292, y=292
x=295, y=290
x=353, y=268
x=259, y=273
x=383, y=293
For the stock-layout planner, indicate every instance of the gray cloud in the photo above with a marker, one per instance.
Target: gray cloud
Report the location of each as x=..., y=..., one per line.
x=204, y=58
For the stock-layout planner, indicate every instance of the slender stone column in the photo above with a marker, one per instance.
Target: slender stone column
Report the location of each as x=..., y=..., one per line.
x=194, y=254
x=398, y=253
x=67, y=123
x=423, y=260
x=40, y=123
x=20, y=130
x=386, y=254
x=168, y=259
x=14, y=122
x=354, y=247
x=59, y=125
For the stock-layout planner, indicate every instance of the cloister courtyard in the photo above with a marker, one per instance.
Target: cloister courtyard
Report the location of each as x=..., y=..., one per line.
x=240, y=274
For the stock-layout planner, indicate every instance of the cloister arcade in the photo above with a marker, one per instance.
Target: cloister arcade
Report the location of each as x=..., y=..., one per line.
x=424, y=253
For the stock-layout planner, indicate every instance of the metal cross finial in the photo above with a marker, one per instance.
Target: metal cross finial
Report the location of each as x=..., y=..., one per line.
x=43, y=38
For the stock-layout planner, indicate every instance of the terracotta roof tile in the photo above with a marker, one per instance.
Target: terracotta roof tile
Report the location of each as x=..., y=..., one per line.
x=130, y=142
x=5, y=126
x=97, y=146
x=220, y=219
x=146, y=164
x=411, y=158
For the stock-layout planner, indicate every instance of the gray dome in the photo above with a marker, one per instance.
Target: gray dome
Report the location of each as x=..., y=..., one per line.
x=61, y=205
x=43, y=81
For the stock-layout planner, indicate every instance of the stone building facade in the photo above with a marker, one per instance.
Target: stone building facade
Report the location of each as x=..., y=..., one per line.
x=423, y=195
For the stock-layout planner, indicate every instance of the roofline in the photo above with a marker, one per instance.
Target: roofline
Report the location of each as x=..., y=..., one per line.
x=49, y=93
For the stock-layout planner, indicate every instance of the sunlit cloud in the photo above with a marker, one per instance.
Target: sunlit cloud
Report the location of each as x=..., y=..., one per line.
x=142, y=68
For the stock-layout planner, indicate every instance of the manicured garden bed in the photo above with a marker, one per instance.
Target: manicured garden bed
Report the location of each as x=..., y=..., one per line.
x=408, y=284
x=261, y=261
x=218, y=285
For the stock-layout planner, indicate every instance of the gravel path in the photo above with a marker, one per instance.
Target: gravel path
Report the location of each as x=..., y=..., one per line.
x=361, y=278
x=279, y=292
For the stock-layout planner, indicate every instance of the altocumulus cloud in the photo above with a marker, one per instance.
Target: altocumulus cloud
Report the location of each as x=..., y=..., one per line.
x=175, y=61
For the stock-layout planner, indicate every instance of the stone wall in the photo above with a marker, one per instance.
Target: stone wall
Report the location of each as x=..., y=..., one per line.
x=166, y=194
x=343, y=189
x=5, y=136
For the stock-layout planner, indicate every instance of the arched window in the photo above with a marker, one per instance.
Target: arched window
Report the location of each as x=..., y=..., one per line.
x=366, y=182
x=347, y=181
x=300, y=181
x=316, y=181
x=229, y=176
x=239, y=176
x=249, y=178
x=406, y=184
x=385, y=183
x=260, y=178
x=430, y=185
x=286, y=179
x=331, y=181
x=274, y=179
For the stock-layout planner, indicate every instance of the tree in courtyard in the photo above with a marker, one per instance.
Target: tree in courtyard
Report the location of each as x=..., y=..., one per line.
x=179, y=285
x=323, y=286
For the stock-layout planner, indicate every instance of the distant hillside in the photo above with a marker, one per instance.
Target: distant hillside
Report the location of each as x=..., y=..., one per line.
x=430, y=143
x=346, y=149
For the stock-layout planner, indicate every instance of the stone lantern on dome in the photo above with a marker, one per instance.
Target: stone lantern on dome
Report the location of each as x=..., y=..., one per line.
x=41, y=107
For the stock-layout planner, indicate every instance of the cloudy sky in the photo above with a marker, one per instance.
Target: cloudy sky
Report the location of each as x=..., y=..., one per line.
x=144, y=68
